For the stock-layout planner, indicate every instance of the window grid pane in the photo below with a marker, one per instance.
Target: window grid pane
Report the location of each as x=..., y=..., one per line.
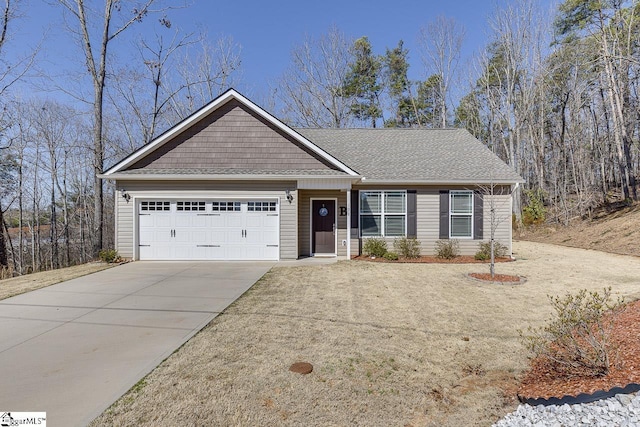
x=462, y=203
x=155, y=206
x=190, y=206
x=261, y=206
x=225, y=206
x=461, y=226
x=394, y=202
x=371, y=225
x=394, y=226
x=370, y=202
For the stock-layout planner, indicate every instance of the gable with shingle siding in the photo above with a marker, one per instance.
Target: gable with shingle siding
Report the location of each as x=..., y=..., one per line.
x=232, y=137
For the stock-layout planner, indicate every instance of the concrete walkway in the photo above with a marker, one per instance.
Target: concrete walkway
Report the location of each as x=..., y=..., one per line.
x=73, y=348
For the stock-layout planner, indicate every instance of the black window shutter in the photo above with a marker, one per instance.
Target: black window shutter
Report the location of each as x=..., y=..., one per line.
x=412, y=220
x=444, y=214
x=355, y=213
x=478, y=221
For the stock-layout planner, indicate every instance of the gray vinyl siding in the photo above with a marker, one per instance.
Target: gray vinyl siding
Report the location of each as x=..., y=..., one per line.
x=124, y=226
x=232, y=137
x=172, y=190
x=304, y=219
x=428, y=219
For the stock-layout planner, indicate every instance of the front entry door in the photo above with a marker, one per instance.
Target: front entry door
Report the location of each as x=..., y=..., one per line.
x=323, y=228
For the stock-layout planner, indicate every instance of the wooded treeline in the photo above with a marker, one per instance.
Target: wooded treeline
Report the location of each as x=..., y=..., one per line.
x=555, y=96
x=54, y=210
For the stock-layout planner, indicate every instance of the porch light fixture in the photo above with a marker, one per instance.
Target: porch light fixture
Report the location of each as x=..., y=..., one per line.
x=125, y=195
x=289, y=196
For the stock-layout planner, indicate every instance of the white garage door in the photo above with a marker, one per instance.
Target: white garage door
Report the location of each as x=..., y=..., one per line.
x=208, y=229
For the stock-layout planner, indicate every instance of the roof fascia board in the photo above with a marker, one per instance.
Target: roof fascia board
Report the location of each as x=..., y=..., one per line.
x=230, y=177
x=207, y=109
x=428, y=182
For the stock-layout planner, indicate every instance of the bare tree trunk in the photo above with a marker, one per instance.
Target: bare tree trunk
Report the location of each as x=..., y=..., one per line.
x=53, y=229
x=619, y=124
x=20, y=217
x=65, y=207
x=4, y=260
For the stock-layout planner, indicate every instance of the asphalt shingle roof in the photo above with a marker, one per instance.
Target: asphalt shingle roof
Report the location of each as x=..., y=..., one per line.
x=425, y=155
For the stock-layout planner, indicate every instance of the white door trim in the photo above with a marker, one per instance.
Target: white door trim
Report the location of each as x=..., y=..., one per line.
x=335, y=216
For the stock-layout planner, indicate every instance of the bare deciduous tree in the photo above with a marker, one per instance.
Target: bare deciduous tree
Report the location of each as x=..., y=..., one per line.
x=95, y=46
x=202, y=72
x=441, y=43
x=311, y=87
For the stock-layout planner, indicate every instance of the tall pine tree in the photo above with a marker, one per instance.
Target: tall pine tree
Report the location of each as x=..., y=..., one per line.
x=363, y=82
x=396, y=67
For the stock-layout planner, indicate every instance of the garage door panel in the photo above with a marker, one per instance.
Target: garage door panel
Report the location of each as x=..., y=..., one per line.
x=233, y=236
x=147, y=236
x=201, y=230
x=155, y=235
x=146, y=252
x=186, y=235
x=217, y=236
x=187, y=220
x=233, y=220
x=254, y=221
x=271, y=237
x=235, y=252
x=162, y=221
x=215, y=253
x=182, y=235
x=272, y=252
x=257, y=236
x=199, y=236
x=255, y=252
x=146, y=220
x=162, y=252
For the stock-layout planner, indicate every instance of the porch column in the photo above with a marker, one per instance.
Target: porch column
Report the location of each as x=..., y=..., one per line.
x=349, y=224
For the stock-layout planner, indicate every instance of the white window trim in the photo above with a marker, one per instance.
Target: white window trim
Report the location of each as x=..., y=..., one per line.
x=382, y=213
x=472, y=214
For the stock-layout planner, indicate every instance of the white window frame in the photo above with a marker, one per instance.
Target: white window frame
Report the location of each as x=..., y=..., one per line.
x=461, y=214
x=382, y=212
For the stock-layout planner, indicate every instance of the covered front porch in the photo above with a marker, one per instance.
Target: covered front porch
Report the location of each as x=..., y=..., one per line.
x=325, y=221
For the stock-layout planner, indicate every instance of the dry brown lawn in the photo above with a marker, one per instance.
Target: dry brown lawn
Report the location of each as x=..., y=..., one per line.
x=31, y=282
x=391, y=344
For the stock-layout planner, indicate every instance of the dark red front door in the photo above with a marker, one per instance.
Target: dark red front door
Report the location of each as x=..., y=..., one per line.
x=323, y=235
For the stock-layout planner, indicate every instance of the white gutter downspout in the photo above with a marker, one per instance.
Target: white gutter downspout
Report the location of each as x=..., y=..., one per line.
x=349, y=224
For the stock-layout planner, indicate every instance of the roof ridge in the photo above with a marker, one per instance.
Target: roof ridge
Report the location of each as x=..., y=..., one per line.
x=377, y=129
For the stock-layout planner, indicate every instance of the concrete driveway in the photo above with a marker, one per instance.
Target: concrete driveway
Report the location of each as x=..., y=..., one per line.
x=73, y=348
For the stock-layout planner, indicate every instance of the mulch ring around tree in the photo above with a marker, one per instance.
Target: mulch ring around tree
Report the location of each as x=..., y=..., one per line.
x=462, y=259
x=541, y=385
x=503, y=279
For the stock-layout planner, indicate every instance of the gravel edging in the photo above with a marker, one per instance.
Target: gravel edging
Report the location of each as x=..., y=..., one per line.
x=620, y=410
x=582, y=397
